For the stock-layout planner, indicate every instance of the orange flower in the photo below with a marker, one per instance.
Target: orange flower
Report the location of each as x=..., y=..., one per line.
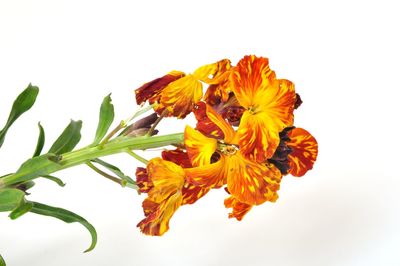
x=249, y=182
x=304, y=151
x=165, y=183
x=269, y=104
x=176, y=92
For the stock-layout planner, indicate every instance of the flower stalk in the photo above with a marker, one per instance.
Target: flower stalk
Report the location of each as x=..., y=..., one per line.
x=81, y=156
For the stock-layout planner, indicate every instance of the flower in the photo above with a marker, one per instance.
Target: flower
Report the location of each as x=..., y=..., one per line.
x=248, y=181
x=269, y=104
x=163, y=183
x=176, y=92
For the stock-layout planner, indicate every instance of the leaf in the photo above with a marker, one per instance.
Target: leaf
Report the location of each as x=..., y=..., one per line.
x=115, y=170
x=106, y=118
x=2, y=262
x=23, y=207
x=66, y=216
x=55, y=179
x=68, y=139
x=22, y=103
x=38, y=166
x=10, y=198
x=40, y=142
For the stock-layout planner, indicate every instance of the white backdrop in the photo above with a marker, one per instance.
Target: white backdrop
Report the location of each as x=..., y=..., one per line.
x=343, y=57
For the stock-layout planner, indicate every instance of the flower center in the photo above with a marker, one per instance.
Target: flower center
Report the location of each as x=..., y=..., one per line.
x=227, y=149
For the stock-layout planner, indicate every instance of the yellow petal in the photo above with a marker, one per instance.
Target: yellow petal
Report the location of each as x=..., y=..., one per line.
x=304, y=151
x=199, y=147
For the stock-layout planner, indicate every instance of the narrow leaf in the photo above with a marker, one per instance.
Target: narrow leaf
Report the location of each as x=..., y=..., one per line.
x=68, y=139
x=22, y=103
x=23, y=207
x=66, y=216
x=114, y=169
x=40, y=142
x=38, y=166
x=55, y=179
x=10, y=198
x=106, y=118
x=2, y=262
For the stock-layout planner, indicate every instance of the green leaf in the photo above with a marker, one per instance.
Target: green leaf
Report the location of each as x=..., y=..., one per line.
x=66, y=216
x=22, y=103
x=38, y=166
x=10, y=198
x=40, y=142
x=23, y=207
x=106, y=118
x=116, y=171
x=55, y=179
x=68, y=139
x=2, y=262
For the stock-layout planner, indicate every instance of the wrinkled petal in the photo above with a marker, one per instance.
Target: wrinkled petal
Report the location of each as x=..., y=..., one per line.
x=199, y=147
x=304, y=151
x=239, y=209
x=211, y=123
x=151, y=90
x=217, y=93
x=208, y=176
x=259, y=131
x=250, y=80
x=192, y=193
x=250, y=182
x=159, y=214
x=142, y=180
x=180, y=96
x=167, y=179
x=213, y=73
x=178, y=157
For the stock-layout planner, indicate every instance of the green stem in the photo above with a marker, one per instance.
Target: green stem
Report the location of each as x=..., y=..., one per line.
x=110, y=177
x=70, y=159
x=137, y=157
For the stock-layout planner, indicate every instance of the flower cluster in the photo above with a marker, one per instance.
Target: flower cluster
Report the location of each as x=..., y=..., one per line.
x=244, y=139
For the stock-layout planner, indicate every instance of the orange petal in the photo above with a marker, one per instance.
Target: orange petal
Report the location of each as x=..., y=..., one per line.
x=304, y=151
x=199, y=147
x=151, y=90
x=208, y=176
x=250, y=79
x=180, y=96
x=167, y=178
x=159, y=214
x=204, y=124
x=213, y=73
x=259, y=130
x=250, y=182
x=239, y=209
x=192, y=193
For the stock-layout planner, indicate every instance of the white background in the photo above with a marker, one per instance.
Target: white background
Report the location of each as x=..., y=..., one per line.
x=343, y=57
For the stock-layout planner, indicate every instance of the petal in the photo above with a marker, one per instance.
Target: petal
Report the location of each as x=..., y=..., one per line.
x=208, y=176
x=259, y=130
x=150, y=90
x=217, y=93
x=213, y=73
x=239, y=209
x=250, y=182
x=211, y=123
x=142, y=180
x=304, y=151
x=167, y=179
x=250, y=79
x=192, y=193
x=199, y=147
x=180, y=96
x=178, y=157
x=159, y=214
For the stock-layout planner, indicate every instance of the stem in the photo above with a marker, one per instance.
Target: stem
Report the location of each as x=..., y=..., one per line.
x=97, y=170
x=137, y=157
x=70, y=159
